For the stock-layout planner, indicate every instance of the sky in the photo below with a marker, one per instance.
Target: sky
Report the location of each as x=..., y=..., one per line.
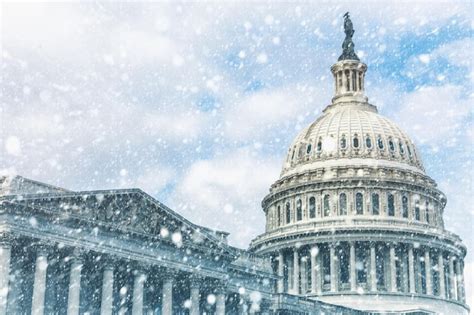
x=197, y=103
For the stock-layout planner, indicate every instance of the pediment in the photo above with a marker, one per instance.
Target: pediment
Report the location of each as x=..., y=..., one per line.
x=128, y=211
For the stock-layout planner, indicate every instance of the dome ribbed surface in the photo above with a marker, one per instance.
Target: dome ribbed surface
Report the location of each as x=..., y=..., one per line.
x=332, y=138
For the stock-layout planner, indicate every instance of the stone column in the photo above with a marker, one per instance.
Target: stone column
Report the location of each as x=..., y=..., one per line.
x=304, y=275
x=195, y=296
x=137, y=301
x=107, y=289
x=332, y=267
x=73, y=302
x=429, y=285
x=373, y=269
x=452, y=279
x=315, y=271
x=459, y=280
x=411, y=270
x=5, y=255
x=442, y=284
x=39, y=285
x=243, y=307
x=281, y=273
x=220, y=303
x=296, y=272
x=352, y=263
x=167, y=299
x=393, y=269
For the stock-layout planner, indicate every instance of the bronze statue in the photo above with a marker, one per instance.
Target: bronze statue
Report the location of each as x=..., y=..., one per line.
x=348, y=46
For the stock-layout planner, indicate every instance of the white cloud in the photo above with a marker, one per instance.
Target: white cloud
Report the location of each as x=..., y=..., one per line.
x=434, y=114
x=268, y=112
x=225, y=192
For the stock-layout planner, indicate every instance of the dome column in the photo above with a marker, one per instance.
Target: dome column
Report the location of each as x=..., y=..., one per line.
x=373, y=269
x=332, y=267
x=315, y=271
x=452, y=279
x=442, y=284
x=296, y=272
x=393, y=269
x=411, y=270
x=281, y=274
x=460, y=280
x=428, y=274
x=352, y=262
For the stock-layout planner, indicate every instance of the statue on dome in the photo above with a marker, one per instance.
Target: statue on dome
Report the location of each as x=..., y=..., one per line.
x=348, y=45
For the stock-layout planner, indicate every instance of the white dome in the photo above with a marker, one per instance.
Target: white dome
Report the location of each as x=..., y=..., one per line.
x=351, y=134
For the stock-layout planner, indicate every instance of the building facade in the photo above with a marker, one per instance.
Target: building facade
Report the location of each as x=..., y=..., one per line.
x=354, y=225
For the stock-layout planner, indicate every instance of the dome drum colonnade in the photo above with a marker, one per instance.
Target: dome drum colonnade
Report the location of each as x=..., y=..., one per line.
x=355, y=215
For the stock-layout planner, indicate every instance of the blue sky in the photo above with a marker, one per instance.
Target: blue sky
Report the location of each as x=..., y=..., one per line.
x=197, y=103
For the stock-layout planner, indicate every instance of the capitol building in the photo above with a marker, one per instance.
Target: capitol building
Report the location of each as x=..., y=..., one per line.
x=354, y=225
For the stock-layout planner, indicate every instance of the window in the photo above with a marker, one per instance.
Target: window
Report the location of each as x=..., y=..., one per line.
x=293, y=154
x=359, y=203
x=405, y=206
x=409, y=151
x=312, y=208
x=288, y=213
x=391, y=145
x=342, y=204
x=354, y=82
x=343, y=142
x=380, y=143
x=299, y=211
x=427, y=209
x=355, y=142
x=278, y=216
x=368, y=142
x=375, y=204
x=417, y=210
x=390, y=205
x=308, y=149
x=326, y=208
x=402, y=149
x=319, y=146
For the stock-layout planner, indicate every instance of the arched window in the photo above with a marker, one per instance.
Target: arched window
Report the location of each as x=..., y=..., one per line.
x=288, y=213
x=326, y=208
x=359, y=203
x=319, y=145
x=355, y=142
x=391, y=145
x=368, y=142
x=293, y=154
x=417, y=211
x=405, y=206
x=342, y=204
x=427, y=206
x=402, y=149
x=278, y=216
x=343, y=142
x=308, y=149
x=299, y=211
x=354, y=81
x=409, y=150
x=312, y=208
x=390, y=205
x=380, y=143
x=375, y=204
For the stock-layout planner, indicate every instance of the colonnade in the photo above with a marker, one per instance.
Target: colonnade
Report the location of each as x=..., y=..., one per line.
x=328, y=268
x=76, y=262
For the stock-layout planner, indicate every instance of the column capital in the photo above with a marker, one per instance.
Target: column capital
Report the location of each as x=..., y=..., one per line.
x=77, y=256
x=41, y=249
x=6, y=238
x=108, y=262
x=195, y=281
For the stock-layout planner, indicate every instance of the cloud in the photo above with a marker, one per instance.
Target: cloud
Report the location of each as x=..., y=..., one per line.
x=434, y=114
x=268, y=113
x=225, y=192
